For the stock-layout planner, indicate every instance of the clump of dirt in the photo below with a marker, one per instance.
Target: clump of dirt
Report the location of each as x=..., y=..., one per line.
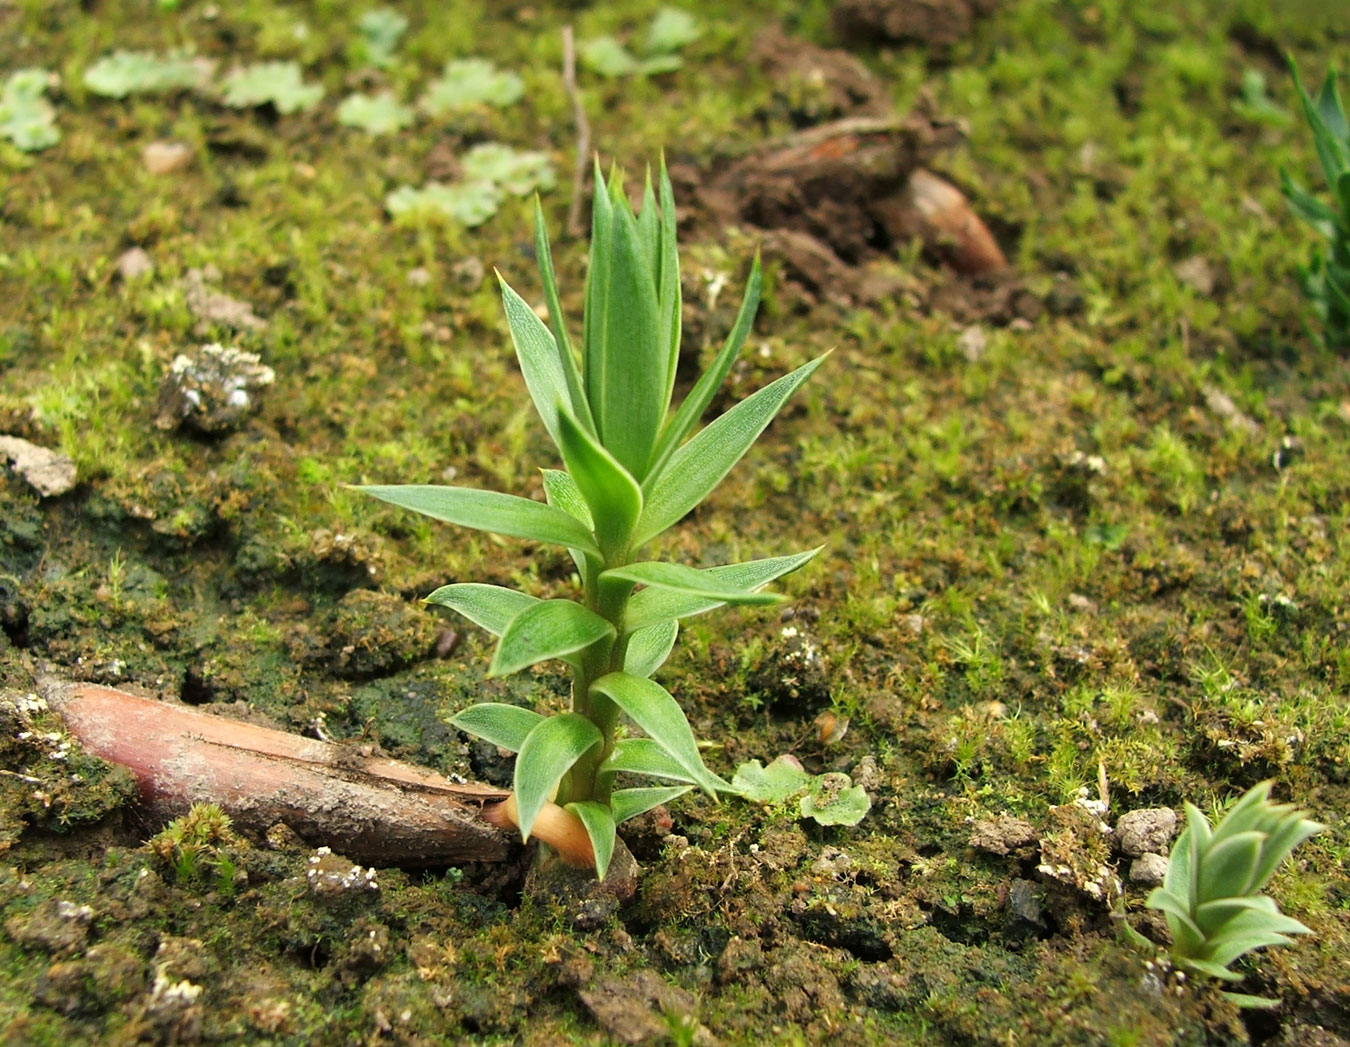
x=936, y=24
x=813, y=85
x=49, y=780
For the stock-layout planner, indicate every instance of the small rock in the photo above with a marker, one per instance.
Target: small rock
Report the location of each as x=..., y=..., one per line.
x=1003, y=835
x=972, y=342
x=214, y=307
x=47, y=472
x=641, y=1007
x=1148, y=870
x=1081, y=603
x=1222, y=405
x=832, y=863
x=1026, y=911
x=1197, y=274
x=161, y=158
x=1146, y=830
x=211, y=390
x=1075, y=862
x=330, y=875
x=740, y=956
x=418, y=277
x=868, y=775
x=915, y=623
x=134, y=263
x=57, y=926
x=469, y=272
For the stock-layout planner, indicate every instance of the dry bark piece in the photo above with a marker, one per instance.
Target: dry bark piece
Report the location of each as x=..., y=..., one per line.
x=934, y=210
x=369, y=808
x=840, y=194
x=48, y=472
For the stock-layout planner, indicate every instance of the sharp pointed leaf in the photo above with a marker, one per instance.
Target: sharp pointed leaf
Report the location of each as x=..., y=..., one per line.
x=599, y=822
x=649, y=648
x=561, y=492
x=543, y=253
x=549, y=629
x=697, y=467
x=625, y=373
x=691, y=409
x=1291, y=832
x=644, y=756
x=1249, y=1002
x=649, y=227
x=541, y=361
x=614, y=497
x=1230, y=949
x=654, y=605
x=629, y=803
x=506, y=726
x=489, y=606
x=1244, y=815
x=667, y=268
x=1210, y=968
x=653, y=709
x=690, y=583
x=1227, y=868
x=488, y=511
x=548, y=752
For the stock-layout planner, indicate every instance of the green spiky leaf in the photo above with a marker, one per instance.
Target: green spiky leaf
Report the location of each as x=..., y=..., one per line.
x=629, y=803
x=654, y=605
x=548, y=629
x=699, y=466
x=599, y=822
x=647, y=757
x=648, y=648
x=506, y=726
x=489, y=606
x=488, y=511
x=653, y=709
x=548, y=752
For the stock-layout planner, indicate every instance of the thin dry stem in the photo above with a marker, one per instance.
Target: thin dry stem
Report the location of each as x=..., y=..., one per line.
x=574, y=226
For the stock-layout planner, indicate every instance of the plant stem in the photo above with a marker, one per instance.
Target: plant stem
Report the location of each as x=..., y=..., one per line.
x=583, y=781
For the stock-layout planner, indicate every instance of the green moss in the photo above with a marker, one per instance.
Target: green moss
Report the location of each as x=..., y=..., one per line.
x=1064, y=556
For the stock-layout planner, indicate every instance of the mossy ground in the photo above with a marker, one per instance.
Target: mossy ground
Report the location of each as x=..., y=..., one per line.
x=1113, y=543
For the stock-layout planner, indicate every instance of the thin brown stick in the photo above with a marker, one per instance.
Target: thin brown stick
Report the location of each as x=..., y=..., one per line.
x=574, y=227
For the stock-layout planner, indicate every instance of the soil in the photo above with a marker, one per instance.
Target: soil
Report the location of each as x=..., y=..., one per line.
x=1085, y=524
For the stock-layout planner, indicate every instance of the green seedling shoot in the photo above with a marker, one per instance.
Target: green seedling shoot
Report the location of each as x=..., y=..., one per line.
x=631, y=471
x=1211, y=895
x=1326, y=279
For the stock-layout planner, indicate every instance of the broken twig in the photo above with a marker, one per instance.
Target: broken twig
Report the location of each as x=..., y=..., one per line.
x=366, y=807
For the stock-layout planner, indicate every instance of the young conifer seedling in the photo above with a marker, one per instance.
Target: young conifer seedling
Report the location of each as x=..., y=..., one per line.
x=631, y=472
x=1211, y=894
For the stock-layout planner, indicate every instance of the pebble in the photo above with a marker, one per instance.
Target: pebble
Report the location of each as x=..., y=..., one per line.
x=48, y=472
x=134, y=263
x=211, y=389
x=1148, y=870
x=1147, y=830
x=164, y=157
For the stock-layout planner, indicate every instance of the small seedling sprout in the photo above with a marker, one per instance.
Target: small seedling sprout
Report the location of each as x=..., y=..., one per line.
x=632, y=471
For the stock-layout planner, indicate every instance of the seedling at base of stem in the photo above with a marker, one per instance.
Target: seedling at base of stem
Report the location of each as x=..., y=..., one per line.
x=632, y=471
